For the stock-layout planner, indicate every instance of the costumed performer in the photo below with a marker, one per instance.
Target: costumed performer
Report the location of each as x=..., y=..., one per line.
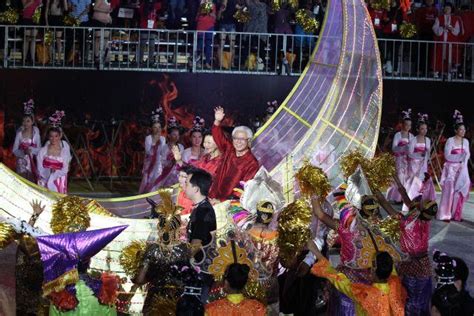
x=416, y=271
x=27, y=143
x=66, y=259
x=385, y=297
x=156, y=270
x=236, y=275
x=195, y=152
x=238, y=163
x=155, y=153
x=54, y=157
x=455, y=181
x=400, y=143
x=419, y=149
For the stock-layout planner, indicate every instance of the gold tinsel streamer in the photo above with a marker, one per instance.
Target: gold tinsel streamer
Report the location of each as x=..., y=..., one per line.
x=306, y=21
x=37, y=15
x=242, y=15
x=407, y=30
x=132, y=256
x=351, y=161
x=205, y=8
x=10, y=16
x=275, y=4
x=293, y=229
x=69, y=215
x=313, y=180
x=380, y=171
x=255, y=290
x=70, y=20
x=7, y=235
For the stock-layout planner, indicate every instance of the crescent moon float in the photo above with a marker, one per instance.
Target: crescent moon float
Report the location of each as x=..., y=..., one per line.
x=336, y=104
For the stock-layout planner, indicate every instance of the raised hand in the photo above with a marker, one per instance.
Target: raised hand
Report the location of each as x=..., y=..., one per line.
x=37, y=207
x=176, y=153
x=219, y=114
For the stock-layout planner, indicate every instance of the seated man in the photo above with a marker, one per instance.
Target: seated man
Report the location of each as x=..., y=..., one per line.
x=238, y=163
x=385, y=297
x=235, y=279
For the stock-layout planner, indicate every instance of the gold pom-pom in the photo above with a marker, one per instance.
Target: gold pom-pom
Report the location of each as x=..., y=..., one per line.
x=70, y=20
x=407, y=30
x=69, y=215
x=380, y=171
x=276, y=5
x=351, y=161
x=48, y=38
x=132, y=256
x=7, y=235
x=313, y=180
x=164, y=306
x=306, y=21
x=205, y=8
x=37, y=15
x=293, y=230
x=10, y=16
x=380, y=4
x=255, y=290
x=242, y=15
x=390, y=227
x=293, y=4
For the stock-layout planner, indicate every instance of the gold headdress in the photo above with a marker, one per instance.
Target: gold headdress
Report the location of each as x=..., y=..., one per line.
x=231, y=253
x=167, y=213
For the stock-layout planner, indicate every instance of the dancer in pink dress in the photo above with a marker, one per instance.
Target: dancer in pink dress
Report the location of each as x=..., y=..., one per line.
x=400, y=151
x=455, y=182
x=27, y=144
x=155, y=153
x=419, y=180
x=54, y=158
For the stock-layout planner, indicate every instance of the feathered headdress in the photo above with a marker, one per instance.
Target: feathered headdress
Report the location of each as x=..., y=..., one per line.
x=29, y=107
x=406, y=115
x=157, y=115
x=167, y=213
x=198, y=124
x=272, y=106
x=56, y=118
x=458, y=118
x=422, y=118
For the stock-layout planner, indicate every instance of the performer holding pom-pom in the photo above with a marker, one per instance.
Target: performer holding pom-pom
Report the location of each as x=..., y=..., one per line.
x=455, y=180
x=53, y=159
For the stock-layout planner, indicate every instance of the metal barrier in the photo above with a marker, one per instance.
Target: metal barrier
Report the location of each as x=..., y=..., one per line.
x=197, y=51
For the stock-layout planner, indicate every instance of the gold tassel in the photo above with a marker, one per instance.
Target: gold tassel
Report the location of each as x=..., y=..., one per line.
x=7, y=235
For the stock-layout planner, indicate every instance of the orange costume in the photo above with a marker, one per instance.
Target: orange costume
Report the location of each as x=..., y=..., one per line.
x=382, y=299
x=235, y=305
